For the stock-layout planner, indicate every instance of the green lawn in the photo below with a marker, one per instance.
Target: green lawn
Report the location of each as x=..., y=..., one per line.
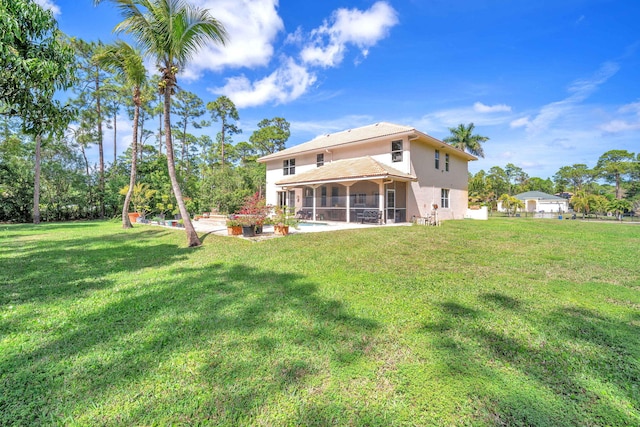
x=502, y=322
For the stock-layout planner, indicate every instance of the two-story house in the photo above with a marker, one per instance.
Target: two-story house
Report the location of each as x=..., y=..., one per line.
x=396, y=170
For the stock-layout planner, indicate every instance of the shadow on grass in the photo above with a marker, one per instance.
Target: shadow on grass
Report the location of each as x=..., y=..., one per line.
x=586, y=371
x=221, y=343
x=46, y=270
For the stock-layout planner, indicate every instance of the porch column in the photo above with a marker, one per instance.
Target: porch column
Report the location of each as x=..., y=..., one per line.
x=313, y=214
x=381, y=200
x=348, y=203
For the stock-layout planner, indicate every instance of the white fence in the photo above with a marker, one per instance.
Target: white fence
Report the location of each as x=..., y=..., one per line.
x=477, y=213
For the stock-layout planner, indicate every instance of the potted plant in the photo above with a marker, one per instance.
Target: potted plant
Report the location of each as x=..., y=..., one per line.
x=234, y=227
x=283, y=219
x=248, y=224
x=253, y=213
x=141, y=199
x=164, y=205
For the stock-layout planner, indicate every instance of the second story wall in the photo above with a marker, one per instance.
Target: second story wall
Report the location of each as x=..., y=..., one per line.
x=380, y=150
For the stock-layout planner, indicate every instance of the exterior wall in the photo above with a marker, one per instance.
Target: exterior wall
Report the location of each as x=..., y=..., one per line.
x=274, y=173
x=553, y=206
x=534, y=205
x=379, y=150
x=427, y=190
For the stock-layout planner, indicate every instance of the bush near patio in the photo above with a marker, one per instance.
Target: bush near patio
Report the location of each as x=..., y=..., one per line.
x=502, y=322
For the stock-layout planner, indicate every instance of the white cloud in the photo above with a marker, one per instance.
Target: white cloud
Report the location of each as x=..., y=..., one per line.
x=523, y=121
x=476, y=114
x=251, y=46
x=317, y=128
x=285, y=84
x=252, y=27
x=634, y=107
x=479, y=107
x=615, y=126
x=50, y=5
x=628, y=119
x=580, y=90
x=363, y=29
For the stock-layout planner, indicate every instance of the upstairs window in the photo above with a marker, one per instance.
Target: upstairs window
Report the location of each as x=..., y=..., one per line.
x=289, y=167
x=320, y=159
x=437, y=159
x=396, y=151
x=444, y=198
x=446, y=162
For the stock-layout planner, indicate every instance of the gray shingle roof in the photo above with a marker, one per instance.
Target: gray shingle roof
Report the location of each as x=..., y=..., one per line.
x=538, y=195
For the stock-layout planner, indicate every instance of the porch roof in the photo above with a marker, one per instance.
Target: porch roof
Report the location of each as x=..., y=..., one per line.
x=361, y=168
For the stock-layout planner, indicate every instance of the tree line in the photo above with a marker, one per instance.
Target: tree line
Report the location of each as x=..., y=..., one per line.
x=45, y=171
x=612, y=185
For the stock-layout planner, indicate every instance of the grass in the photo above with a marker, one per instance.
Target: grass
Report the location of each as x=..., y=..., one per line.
x=505, y=322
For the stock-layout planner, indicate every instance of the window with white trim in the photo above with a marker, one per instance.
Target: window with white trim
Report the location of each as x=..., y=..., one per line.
x=396, y=151
x=444, y=198
x=320, y=159
x=437, y=158
x=446, y=162
x=289, y=167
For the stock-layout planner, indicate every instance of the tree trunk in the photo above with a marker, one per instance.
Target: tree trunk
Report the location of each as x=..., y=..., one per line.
x=100, y=145
x=159, y=129
x=222, y=145
x=140, y=141
x=184, y=145
x=36, y=182
x=115, y=139
x=192, y=236
x=86, y=161
x=126, y=222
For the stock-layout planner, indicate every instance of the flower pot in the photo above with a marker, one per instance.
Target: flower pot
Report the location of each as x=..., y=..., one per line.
x=133, y=217
x=235, y=230
x=281, y=230
x=248, y=230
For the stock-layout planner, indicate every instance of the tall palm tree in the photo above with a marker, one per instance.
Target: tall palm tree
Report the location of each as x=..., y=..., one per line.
x=462, y=138
x=170, y=31
x=126, y=61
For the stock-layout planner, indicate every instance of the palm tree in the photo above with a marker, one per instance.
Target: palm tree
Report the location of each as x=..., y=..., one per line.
x=581, y=202
x=170, y=31
x=126, y=61
x=511, y=204
x=462, y=138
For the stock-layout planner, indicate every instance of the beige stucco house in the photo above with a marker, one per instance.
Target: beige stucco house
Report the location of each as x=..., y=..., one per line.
x=393, y=170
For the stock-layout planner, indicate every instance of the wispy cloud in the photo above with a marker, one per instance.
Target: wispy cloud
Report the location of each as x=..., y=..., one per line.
x=50, y=5
x=478, y=113
x=329, y=126
x=579, y=91
x=479, y=107
x=628, y=119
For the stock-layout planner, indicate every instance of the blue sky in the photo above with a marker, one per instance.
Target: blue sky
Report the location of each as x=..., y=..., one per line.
x=551, y=83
